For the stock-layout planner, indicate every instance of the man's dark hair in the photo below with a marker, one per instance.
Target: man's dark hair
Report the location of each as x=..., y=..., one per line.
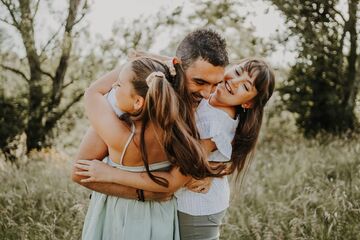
x=203, y=43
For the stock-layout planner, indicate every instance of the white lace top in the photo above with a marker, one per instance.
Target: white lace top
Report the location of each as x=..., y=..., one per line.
x=218, y=126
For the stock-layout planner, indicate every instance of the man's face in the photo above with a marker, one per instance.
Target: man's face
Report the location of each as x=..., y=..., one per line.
x=202, y=78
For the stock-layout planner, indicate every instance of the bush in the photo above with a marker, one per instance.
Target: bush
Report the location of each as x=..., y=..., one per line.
x=12, y=125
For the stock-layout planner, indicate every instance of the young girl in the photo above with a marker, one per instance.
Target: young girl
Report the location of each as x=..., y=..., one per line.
x=152, y=124
x=228, y=124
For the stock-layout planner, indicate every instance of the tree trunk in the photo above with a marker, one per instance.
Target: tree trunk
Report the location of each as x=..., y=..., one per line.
x=39, y=106
x=34, y=126
x=351, y=86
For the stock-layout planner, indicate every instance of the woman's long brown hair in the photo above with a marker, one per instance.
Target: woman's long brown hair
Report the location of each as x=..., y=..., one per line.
x=168, y=105
x=250, y=120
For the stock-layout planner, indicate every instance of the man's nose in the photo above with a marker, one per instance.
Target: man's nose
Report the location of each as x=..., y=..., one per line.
x=213, y=88
x=206, y=91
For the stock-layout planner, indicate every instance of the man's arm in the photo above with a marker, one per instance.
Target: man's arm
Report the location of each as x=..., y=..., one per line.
x=92, y=147
x=97, y=171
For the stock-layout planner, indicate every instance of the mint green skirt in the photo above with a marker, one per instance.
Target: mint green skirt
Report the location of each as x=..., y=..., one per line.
x=110, y=218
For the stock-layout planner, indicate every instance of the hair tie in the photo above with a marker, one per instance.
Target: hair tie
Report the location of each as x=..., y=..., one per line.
x=154, y=75
x=171, y=65
x=176, y=60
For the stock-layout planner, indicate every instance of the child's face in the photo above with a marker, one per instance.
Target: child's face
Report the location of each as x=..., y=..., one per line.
x=237, y=88
x=124, y=90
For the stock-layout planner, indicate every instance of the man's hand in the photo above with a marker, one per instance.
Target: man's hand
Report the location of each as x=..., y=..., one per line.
x=94, y=170
x=199, y=186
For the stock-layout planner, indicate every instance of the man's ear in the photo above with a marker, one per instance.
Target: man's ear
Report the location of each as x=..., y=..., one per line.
x=139, y=103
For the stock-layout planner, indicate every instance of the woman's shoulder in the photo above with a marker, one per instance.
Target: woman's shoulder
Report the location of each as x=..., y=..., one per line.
x=213, y=115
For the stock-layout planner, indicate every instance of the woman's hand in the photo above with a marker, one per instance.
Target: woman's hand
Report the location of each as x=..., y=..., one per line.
x=199, y=186
x=94, y=170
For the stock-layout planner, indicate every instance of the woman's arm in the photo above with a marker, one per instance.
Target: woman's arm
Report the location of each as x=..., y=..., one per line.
x=104, y=84
x=104, y=120
x=97, y=171
x=92, y=146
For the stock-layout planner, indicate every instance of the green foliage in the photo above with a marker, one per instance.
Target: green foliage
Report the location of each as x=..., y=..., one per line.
x=321, y=87
x=42, y=70
x=51, y=97
x=12, y=123
x=39, y=201
x=307, y=190
x=226, y=17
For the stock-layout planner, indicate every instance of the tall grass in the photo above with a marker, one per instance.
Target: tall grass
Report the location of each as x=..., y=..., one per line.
x=39, y=201
x=295, y=189
x=298, y=189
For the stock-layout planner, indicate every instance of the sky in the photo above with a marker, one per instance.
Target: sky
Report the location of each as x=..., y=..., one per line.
x=104, y=13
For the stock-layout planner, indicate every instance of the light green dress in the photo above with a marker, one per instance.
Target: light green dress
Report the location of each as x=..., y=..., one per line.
x=110, y=218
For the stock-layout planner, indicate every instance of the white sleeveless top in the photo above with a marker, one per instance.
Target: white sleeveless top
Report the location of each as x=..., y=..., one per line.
x=217, y=125
x=110, y=96
x=165, y=165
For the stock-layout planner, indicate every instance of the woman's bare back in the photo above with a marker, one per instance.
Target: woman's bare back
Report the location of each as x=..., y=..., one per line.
x=132, y=157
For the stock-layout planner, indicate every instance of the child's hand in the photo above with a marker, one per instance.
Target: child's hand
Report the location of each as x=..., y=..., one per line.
x=94, y=170
x=199, y=186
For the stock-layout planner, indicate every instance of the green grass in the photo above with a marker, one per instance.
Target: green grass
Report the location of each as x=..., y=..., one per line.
x=299, y=189
x=39, y=201
x=295, y=189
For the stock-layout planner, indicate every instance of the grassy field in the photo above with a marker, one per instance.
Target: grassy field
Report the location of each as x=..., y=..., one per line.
x=295, y=189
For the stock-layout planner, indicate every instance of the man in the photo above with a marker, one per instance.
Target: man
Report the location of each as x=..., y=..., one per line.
x=203, y=58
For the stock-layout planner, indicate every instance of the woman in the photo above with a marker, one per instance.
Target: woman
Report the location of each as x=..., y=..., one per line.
x=231, y=118
x=152, y=137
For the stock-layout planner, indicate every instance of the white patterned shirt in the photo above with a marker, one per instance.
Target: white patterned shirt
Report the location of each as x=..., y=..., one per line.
x=219, y=127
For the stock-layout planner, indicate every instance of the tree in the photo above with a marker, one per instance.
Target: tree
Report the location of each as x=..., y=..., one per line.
x=323, y=84
x=226, y=17
x=45, y=103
